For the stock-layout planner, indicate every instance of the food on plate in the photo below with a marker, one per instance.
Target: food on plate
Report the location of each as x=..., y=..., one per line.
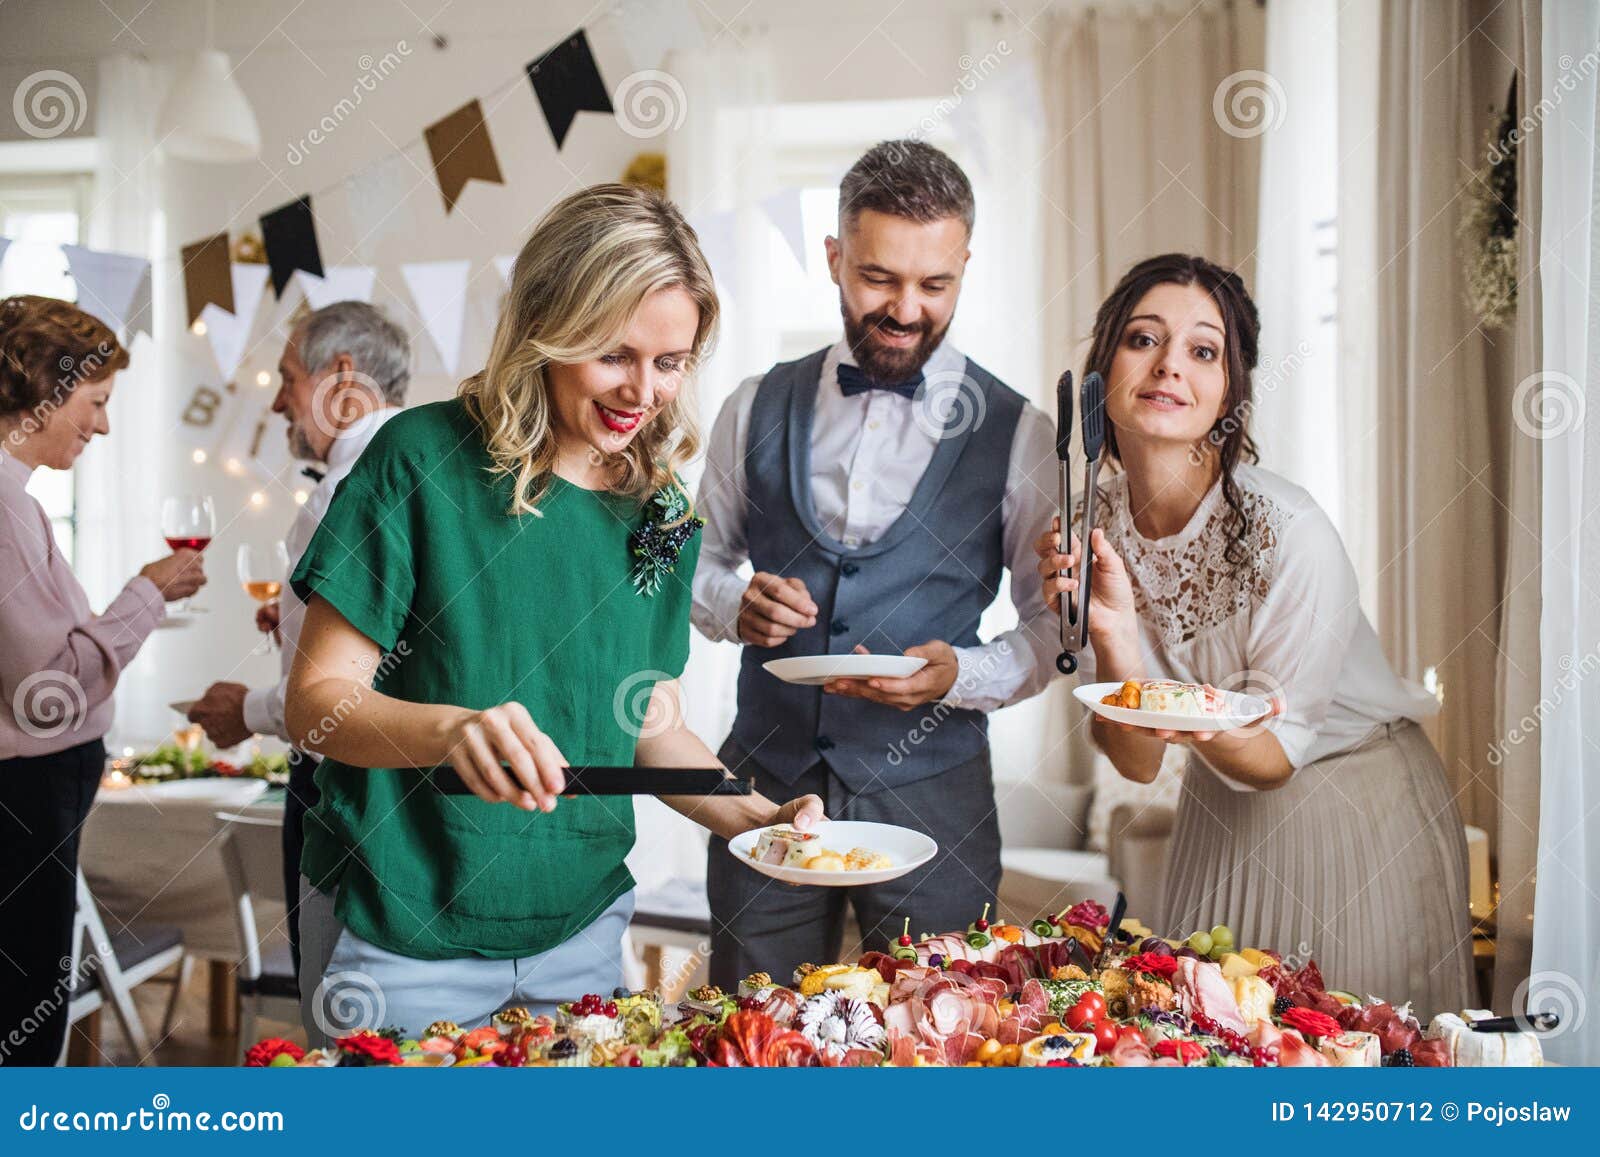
x=791, y=849
x=997, y=994
x=1167, y=696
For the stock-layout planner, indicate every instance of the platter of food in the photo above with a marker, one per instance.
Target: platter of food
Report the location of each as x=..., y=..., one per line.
x=815, y=670
x=834, y=853
x=1062, y=991
x=1168, y=705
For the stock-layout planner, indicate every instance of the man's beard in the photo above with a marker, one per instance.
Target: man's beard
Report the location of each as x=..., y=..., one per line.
x=884, y=364
x=299, y=445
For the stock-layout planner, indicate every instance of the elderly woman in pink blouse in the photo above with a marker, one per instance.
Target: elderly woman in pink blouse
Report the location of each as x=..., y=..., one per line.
x=59, y=662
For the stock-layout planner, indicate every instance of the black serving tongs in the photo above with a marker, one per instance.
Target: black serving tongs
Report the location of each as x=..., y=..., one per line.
x=1075, y=605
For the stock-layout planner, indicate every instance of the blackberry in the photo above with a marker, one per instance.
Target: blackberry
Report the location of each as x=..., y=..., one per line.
x=1282, y=1005
x=1400, y=1059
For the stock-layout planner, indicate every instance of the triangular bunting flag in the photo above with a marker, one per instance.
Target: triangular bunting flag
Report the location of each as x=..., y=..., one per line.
x=461, y=151
x=206, y=280
x=567, y=81
x=5, y=243
x=115, y=287
x=503, y=265
x=338, y=283
x=290, y=236
x=718, y=234
x=229, y=330
x=440, y=290
x=652, y=28
x=784, y=211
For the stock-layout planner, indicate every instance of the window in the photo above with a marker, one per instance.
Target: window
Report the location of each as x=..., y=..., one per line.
x=39, y=214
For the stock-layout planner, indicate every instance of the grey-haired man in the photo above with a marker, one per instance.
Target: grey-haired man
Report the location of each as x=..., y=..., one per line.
x=878, y=488
x=344, y=372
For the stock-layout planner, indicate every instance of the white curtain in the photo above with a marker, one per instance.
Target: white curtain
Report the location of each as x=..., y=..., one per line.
x=120, y=478
x=1566, y=935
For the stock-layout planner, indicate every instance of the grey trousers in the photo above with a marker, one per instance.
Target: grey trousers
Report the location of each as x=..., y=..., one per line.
x=760, y=924
x=347, y=983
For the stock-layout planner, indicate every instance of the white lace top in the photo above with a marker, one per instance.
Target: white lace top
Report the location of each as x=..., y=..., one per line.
x=1287, y=623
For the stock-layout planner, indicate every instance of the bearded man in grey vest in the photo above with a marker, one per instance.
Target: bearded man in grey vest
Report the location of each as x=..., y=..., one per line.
x=877, y=488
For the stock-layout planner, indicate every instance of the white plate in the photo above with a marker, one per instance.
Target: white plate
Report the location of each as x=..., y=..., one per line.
x=907, y=850
x=1243, y=710
x=814, y=670
x=183, y=706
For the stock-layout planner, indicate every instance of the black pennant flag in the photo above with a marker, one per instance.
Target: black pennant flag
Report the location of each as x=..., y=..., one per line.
x=290, y=237
x=567, y=81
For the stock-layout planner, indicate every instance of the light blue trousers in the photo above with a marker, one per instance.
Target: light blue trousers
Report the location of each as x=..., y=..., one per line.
x=347, y=983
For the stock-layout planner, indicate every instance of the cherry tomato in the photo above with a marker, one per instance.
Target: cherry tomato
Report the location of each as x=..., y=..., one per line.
x=1105, y=1037
x=1080, y=1018
x=1095, y=1002
x=1130, y=1031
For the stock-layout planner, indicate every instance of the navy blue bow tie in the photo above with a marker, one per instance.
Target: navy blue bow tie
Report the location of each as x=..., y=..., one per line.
x=853, y=381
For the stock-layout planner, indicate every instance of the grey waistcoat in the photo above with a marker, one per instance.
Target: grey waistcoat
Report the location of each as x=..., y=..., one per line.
x=930, y=576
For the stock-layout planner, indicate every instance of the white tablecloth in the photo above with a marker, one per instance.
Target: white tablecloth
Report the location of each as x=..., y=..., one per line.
x=151, y=854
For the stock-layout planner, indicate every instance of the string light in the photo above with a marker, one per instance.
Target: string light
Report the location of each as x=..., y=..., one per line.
x=257, y=498
x=198, y=328
x=300, y=497
x=233, y=466
x=199, y=457
x=263, y=378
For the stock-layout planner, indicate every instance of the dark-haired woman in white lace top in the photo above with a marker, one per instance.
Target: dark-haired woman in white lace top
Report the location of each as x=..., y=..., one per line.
x=1329, y=831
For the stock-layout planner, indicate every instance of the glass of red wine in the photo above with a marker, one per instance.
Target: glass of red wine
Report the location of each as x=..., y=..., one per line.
x=188, y=522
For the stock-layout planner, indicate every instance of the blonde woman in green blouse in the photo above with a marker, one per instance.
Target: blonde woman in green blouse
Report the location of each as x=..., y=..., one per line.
x=472, y=602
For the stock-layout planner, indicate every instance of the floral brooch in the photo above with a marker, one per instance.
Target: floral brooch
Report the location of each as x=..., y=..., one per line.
x=655, y=546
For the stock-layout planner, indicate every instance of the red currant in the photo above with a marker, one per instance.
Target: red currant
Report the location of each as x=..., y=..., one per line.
x=611, y=1008
x=982, y=925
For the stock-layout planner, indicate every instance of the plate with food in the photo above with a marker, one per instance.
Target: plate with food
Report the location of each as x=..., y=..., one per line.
x=834, y=853
x=814, y=670
x=1168, y=705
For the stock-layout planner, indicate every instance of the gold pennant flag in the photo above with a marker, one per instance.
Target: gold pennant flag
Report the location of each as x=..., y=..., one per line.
x=461, y=151
x=207, y=276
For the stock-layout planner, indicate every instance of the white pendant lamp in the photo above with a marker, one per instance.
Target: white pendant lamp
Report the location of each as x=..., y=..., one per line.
x=206, y=116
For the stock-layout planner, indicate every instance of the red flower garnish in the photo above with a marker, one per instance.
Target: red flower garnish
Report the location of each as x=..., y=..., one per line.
x=223, y=767
x=261, y=1053
x=1310, y=1022
x=1151, y=962
x=1187, y=1051
x=368, y=1048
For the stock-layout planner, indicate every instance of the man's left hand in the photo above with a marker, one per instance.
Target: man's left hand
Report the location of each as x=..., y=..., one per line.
x=220, y=711
x=928, y=685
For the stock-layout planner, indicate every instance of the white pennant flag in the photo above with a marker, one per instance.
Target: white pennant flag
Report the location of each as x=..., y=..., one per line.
x=784, y=211
x=503, y=265
x=338, y=283
x=5, y=243
x=114, y=287
x=440, y=290
x=718, y=234
x=228, y=332
x=652, y=28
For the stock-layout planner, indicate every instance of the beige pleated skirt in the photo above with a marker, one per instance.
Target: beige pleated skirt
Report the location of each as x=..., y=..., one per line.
x=1358, y=862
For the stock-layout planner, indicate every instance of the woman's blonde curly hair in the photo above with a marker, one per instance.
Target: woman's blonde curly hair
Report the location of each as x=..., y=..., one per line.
x=590, y=263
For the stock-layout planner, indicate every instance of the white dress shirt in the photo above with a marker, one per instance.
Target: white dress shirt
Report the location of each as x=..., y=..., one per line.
x=867, y=454
x=263, y=706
